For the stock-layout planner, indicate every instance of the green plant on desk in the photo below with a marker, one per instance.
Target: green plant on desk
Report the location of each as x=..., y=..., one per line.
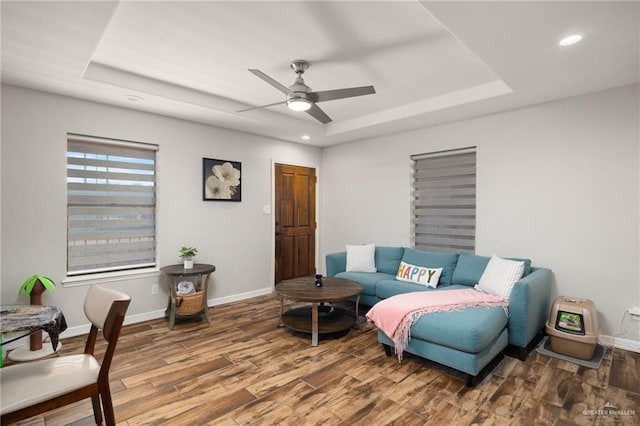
x=186, y=253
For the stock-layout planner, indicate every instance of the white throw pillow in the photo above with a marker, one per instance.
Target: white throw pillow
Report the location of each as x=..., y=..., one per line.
x=418, y=274
x=361, y=258
x=499, y=276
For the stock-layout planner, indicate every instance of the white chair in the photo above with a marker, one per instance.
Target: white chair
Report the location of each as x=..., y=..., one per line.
x=36, y=387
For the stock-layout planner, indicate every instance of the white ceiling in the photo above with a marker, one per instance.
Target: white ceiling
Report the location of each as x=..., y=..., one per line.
x=430, y=62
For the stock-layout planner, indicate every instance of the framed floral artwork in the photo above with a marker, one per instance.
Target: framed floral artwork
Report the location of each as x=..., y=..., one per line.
x=221, y=180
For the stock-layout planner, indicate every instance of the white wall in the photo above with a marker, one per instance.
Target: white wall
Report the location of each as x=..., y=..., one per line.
x=557, y=183
x=236, y=237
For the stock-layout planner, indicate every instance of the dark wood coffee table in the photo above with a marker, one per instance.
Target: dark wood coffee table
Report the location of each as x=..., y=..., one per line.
x=318, y=318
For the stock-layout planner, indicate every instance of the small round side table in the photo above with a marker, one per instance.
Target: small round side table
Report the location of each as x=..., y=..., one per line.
x=188, y=305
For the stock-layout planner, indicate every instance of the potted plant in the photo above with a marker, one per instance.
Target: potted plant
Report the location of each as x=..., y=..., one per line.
x=34, y=286
x=187, y=254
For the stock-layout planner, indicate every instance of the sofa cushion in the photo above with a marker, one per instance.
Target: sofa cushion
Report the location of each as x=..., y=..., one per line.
x=388, y=259
x=418, y=274
x=391, y=287
x=470, y=267
x=367, y=280
x=361, y=258
x=468, y=330
x=446, y=261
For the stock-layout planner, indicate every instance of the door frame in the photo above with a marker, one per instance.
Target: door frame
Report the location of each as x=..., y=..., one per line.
x=273, y=216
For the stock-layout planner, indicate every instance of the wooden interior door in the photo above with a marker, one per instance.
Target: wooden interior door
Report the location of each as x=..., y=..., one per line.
x=295, y=221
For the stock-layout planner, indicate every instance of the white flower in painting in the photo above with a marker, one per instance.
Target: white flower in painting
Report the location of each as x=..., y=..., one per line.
x=227, y=173
x=215, y=188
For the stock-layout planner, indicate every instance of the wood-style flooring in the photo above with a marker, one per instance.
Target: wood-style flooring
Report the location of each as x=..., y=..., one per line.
x=242, y=369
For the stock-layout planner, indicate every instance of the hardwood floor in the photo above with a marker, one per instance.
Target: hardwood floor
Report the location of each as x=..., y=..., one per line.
x=243, y=369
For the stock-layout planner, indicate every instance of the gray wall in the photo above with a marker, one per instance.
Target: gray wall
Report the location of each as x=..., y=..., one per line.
x=557, y=183
x=236, y=237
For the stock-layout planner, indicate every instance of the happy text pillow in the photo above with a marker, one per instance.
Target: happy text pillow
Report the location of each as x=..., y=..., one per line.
x=418, y=274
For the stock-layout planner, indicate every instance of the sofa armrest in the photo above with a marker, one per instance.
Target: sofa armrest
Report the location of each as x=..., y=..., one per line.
x=529, y=306
x=336, y=262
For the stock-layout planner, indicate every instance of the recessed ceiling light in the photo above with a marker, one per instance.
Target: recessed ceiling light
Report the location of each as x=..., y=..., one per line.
x=305, y=137
x=133, y=98
x=569, y=40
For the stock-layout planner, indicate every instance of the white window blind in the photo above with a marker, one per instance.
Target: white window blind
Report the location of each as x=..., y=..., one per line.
x=111, y=205
x=445, y=201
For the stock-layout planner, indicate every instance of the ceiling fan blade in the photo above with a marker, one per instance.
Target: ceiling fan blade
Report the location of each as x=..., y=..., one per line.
x=318, y=114
x=329, y=95
x=271, y=81
x=262, y=106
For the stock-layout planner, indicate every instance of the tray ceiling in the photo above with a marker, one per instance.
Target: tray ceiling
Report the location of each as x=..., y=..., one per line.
x=429, y=62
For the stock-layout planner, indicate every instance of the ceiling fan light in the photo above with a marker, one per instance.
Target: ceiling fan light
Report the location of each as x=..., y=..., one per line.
x=299, y=104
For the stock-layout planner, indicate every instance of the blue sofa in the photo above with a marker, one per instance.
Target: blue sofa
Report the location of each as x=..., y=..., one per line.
x=465, y=340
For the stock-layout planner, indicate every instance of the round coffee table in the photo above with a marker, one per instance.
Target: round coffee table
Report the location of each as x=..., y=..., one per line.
x=318, y=318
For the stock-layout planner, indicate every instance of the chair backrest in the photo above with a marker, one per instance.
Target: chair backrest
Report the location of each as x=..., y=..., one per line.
x=103, y=306
x=105, y=309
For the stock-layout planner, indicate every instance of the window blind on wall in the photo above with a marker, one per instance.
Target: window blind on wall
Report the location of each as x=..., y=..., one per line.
x=445, y=201
x=111, y=205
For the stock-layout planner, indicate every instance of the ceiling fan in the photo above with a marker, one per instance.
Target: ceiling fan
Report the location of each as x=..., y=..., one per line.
x=301, y=98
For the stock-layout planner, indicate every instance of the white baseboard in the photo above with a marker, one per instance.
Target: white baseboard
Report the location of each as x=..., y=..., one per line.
x=619, y=343
x=147, y=316
x=241, y=296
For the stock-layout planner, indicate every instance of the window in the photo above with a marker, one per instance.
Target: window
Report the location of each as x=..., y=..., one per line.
x=111, y=205
x=444, y=203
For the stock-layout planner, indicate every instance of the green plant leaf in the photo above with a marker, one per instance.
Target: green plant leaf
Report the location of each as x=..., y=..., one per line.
x=187, y=252
x=27, y=286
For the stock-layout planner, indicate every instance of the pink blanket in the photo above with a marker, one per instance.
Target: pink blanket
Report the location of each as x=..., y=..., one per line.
x=395, y=315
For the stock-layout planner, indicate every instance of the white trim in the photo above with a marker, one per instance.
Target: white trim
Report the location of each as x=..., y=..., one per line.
x=619, y=343
x=126, y=269
x=241, y=296
x=110, y=277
